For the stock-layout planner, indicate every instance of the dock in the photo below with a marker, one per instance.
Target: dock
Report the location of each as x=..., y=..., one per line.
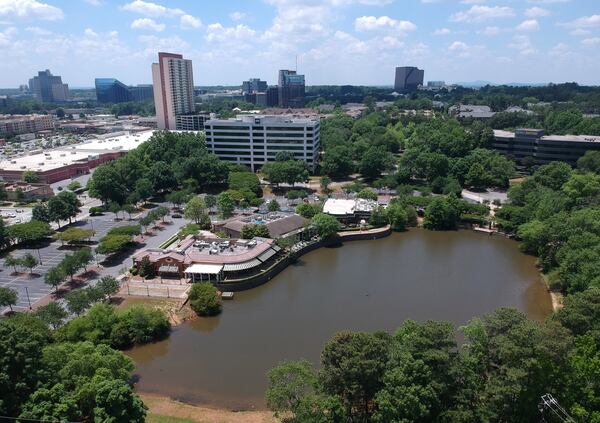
x=227, y=295
x=485, y=230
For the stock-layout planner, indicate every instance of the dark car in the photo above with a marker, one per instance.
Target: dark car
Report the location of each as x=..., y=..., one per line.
x=176, y=216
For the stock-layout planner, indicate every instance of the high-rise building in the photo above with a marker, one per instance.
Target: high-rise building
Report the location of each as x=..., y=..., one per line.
x=254, y=140
x=291, y=89
x=49, y=88
x=408, y=78
x=111, y=90
x=254, y=85
x=173, y=82
x=273, y=96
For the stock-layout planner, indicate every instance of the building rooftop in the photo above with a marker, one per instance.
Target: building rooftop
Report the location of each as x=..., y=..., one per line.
x=266, y=119
x=43, y=160
x=563, y=138
x=342, y=207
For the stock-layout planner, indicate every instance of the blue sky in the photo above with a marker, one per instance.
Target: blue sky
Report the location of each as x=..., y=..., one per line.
x=336, y=41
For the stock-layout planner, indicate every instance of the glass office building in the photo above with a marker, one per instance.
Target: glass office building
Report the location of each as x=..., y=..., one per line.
x=111, y=90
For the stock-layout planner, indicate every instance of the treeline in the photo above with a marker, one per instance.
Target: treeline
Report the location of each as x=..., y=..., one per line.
x=439, y=152
x=554, y=122
x=555, y=213
x=165, y=162
x=72, y=373
x=498, y=373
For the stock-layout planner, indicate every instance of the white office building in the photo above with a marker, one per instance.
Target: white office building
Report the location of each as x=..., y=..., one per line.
x=253, y=140
x=173, y=83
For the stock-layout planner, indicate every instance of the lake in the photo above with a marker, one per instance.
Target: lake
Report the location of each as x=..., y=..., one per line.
x=361, y=286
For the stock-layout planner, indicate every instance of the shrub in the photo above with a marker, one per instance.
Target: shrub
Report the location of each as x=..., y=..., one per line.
x=126, y=230
x=139, y=325
x=294, y=194
x=204, y=299
x=96, y=211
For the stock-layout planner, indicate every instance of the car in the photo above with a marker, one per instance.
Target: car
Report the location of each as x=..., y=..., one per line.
x=176, y=216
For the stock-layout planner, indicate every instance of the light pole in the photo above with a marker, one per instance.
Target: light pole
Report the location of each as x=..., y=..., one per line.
x=39, y=255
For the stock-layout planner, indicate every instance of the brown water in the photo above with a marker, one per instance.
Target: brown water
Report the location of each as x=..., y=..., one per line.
x=362, y=286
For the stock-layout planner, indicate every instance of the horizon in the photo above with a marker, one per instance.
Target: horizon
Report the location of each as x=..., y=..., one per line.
x=336, y=42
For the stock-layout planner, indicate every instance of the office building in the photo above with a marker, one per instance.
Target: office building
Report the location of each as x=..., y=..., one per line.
x=273, y=96
x=544, y=148
x=435, y=84
x=254, y=85
x=141, y=93
x=253, y=140
x=25, y=124
x=291, y=89
x=408, y=79
x=193, y=122
x=173, y=82
x=49, y=88
x=111, y=90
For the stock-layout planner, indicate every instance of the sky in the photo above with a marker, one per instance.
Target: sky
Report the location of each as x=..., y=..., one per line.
x=336, y=42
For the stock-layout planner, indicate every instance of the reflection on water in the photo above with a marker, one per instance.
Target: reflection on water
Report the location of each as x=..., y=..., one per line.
x=364, y=286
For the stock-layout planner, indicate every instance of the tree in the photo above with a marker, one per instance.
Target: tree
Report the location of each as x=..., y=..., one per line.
x=379, y=217
x=146, y=268
x=397, y=216
x=74, y=235
x=324, y=183
x=195, y=209
x=51, y=404
x=111, y=244
x=144, y=189
x=289, y=383
x=29, y=232
x=326, y=225
x=251, y=230
x=288, y=171
x=70, y=264
x=12, y=261
x=8, y=297
x=40, y=213
x=4, y=235
x=107, y=184
x=63, y=206
x=138, y=325
x=115, y=208
x=374, y=162
x=245, y=180
x=116, y=402
x=225, y=205
x=210, y=201
x=337, y=162
x=204, y=299
x=177, y=198
x=273, y=206
x=442, y=213
x=54, y=277
x=308, y=210
x=353, y=365
x=367, y=194
x=30, y=177
x=52, y=314
x=84, y=256
x=29, y=261
x=74, y=186
x=108, y=286
x=78, y=301
x=589, y=162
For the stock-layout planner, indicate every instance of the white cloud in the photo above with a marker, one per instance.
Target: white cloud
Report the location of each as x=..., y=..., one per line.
x=37, y=30
x=30, y=9
x=547, y=1
x=94, y=2
x=458, y=46
x=523, y=44
x=189, y=22
x=490, y=31
x=372, y=23
x=153, y=44
x=594, y=41
x=147, y=24
x=90, y=33
x=536, y=12
x=237, y=16
x=442, y=31
x=580, y=32
x=592, y=21
x=219, y=33
x=482, y=13
x=528, y=25
x=150, y=9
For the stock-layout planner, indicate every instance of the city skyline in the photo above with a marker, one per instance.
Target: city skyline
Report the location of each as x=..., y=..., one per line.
x=336, y=42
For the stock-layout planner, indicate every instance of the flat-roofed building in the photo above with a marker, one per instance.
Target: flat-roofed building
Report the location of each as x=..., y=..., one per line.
x=254, y=140
x=544, y=148
x=25, y=124
x=70, y=161
x=192, y=122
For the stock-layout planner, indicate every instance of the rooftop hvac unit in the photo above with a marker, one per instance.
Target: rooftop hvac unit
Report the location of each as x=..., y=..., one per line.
x=62, y=155
x=13, y=162
x=23, y=167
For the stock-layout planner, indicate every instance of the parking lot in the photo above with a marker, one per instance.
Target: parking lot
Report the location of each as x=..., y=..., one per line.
x=14, y=215
x=31, y=288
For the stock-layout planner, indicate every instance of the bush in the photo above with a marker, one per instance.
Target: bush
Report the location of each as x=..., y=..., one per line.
x=204, y=299
x=139, y=325
x=126, y=230
x=294, y=194
x=96, y=211
x=367, y=194
x=252, y=230
x=308, y=210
